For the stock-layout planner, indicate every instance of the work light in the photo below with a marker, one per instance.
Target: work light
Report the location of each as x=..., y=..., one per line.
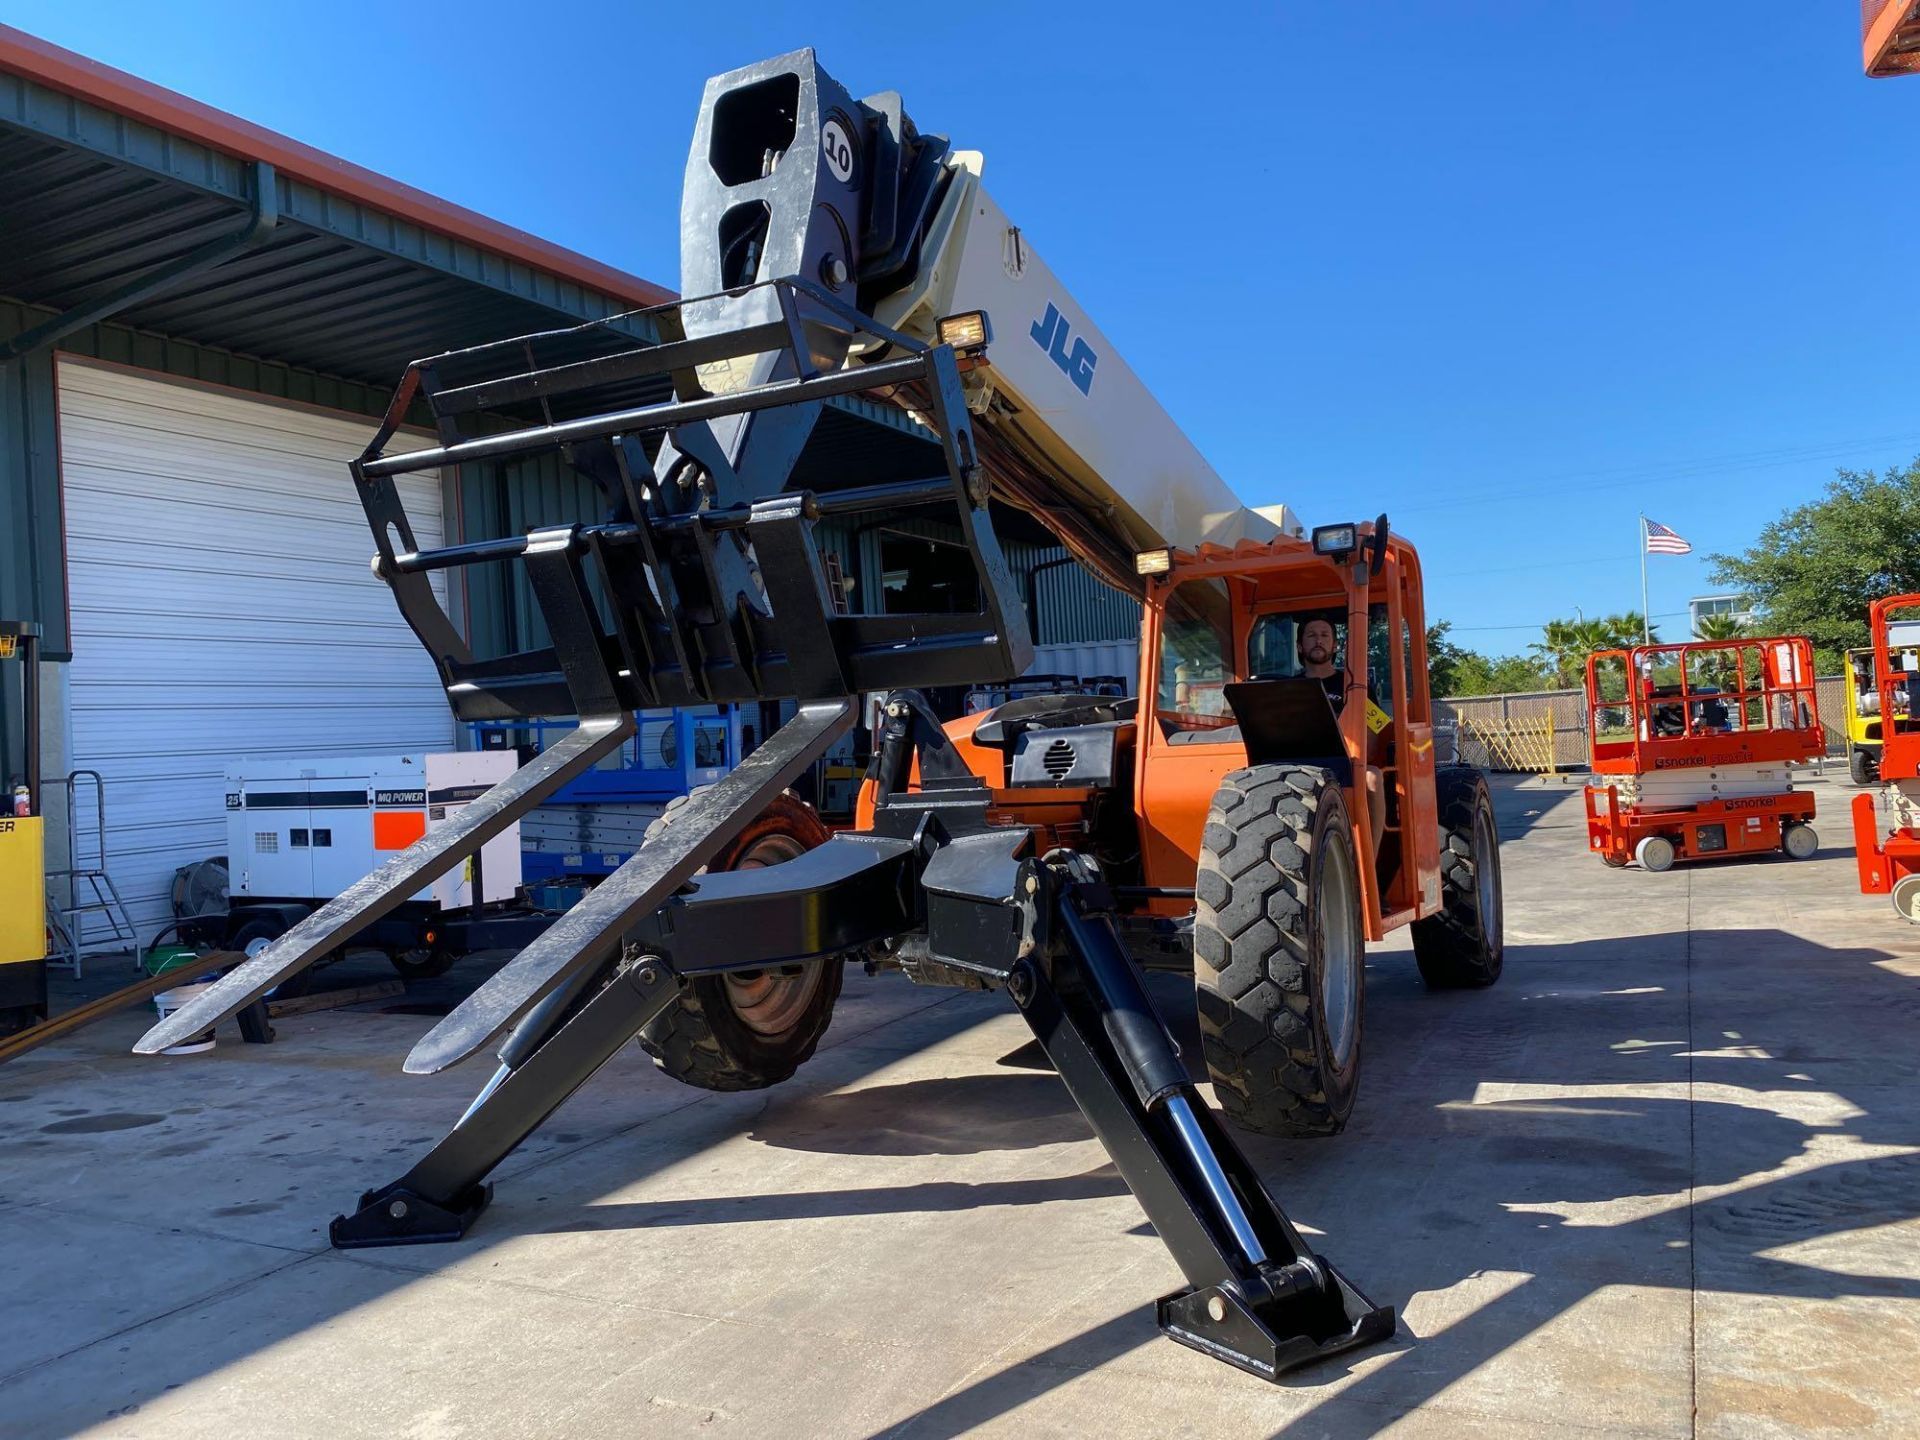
x=1336, y=541
x=966, y=331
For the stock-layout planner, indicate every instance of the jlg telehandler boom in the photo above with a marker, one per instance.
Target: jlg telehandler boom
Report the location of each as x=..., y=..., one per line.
x=837, y=358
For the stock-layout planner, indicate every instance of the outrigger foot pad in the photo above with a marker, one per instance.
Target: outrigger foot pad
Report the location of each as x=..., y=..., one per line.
x=395, y=1215
x=1284, y=1330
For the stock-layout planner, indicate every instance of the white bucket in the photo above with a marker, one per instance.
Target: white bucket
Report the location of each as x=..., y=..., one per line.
x=168, y=1001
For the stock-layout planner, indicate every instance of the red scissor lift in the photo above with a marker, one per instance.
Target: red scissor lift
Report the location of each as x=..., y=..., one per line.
x=1690, y=745
x=1890, y=864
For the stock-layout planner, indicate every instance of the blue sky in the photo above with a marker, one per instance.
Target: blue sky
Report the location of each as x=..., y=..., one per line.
x=1512, y=273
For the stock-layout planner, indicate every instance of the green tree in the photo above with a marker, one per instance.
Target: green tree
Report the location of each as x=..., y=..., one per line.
x=1443, y=658
x=1816, y=569
x=1454, y=670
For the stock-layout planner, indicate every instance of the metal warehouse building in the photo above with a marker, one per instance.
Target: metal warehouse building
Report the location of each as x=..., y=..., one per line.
x=197, y=319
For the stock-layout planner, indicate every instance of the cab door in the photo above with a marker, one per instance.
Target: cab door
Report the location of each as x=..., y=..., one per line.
x=1416, y=762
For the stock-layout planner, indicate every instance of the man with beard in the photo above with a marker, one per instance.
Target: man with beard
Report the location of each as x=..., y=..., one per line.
x=1317, y=642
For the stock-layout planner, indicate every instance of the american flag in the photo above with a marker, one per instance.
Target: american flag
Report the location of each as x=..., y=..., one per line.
x=1662, y=541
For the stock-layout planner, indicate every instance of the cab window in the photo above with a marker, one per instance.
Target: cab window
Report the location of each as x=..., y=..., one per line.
x=1195, y=644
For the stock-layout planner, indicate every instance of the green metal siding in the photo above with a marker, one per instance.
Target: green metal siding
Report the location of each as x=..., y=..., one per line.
x=69, y=121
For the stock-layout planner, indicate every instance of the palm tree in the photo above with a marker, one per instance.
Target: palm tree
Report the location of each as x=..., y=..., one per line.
x=1565, y=644
x=1722, y=627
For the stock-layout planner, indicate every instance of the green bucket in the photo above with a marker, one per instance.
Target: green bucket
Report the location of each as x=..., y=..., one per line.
x=164, y=958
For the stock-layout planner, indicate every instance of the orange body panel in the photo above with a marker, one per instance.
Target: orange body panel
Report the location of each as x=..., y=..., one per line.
x=397, y=829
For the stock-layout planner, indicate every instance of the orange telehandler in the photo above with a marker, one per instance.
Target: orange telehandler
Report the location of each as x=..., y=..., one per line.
x=1270, y=803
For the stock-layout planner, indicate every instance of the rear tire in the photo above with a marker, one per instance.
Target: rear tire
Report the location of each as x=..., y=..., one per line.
x=1463, y=946
x=1800, y=842
x=1280, y=951
x=748, y=1031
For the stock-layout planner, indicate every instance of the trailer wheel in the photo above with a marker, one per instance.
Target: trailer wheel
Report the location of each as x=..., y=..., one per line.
x=1862, y=767
x=1800, y=842
x=1280, y=951
x=421, y=964
x=749, y=1030
x=254, y=936
x=1655, y=853
x=1463, y=946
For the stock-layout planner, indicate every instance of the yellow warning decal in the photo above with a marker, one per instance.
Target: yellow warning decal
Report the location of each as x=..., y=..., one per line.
x=1377, y=719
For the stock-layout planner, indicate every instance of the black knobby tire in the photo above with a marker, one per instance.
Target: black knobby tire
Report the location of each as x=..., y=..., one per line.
x=1279, y=950
x=729, y=1032
x=1863, y=768
x=1462, y=946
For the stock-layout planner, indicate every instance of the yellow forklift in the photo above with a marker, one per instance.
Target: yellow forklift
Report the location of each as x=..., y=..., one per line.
x=23, y=879
x=1863, y=698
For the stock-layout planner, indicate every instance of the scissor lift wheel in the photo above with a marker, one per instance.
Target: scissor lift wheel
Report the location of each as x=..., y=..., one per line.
x=1655, y=853
x=1800, y=842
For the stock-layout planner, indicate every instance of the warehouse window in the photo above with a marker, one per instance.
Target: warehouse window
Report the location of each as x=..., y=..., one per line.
x=927, y=577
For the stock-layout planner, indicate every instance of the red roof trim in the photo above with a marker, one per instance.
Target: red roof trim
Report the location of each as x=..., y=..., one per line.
x=116, y=90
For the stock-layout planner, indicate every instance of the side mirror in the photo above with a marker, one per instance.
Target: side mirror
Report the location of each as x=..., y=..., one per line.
x=1379, y=545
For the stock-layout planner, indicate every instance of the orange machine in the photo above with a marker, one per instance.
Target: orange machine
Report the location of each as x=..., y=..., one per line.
x=1271, y=803
x=1889, y=37
x=1690, y=745
x=1890, y=864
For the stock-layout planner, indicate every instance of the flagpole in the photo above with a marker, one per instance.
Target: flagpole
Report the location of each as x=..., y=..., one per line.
x=1646, y=624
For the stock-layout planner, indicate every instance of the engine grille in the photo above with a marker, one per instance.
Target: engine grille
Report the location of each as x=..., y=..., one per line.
x=1058, y=761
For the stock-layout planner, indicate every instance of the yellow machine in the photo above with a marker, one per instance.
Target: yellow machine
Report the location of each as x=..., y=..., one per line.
x=1863, y=698
x=23, y=879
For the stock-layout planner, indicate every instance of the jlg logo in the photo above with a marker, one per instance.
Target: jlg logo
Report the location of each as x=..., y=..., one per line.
x=1053, y=335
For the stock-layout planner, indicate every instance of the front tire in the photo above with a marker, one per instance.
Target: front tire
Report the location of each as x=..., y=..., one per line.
x=1863, y=767
x=1280, y=950
x=1463, y=946
x=746, y=1031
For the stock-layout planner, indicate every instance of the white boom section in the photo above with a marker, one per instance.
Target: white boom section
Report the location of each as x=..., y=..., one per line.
x=1055, y=382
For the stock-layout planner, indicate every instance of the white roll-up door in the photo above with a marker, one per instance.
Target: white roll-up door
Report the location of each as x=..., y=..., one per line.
x=222, y=607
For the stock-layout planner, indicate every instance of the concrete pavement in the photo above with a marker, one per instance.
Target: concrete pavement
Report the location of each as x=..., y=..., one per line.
x=1662, y=1180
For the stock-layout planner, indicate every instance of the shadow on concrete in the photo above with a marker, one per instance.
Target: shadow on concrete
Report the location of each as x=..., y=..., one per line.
x=1099, y=1183
x=1426, y=1193
x=1439, y=1180
x=947, y=1115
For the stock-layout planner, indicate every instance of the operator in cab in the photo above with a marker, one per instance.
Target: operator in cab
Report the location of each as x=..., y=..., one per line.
x=1318, y=646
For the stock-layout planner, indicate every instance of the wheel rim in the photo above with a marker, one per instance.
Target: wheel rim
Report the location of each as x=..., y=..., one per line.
x=766, y=1001
x=1339, y=953
x=257, y=944
x=1486, y=874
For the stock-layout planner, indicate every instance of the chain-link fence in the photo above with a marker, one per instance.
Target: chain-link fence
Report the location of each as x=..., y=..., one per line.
x=1544, y=731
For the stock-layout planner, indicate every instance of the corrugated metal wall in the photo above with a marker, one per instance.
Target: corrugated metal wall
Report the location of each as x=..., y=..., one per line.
x=32, y=548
